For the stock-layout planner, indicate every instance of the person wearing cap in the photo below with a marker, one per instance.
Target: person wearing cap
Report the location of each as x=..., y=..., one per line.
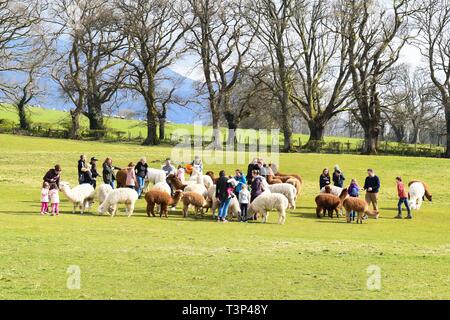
x=93, y=173
x=141, y=172
x=53, y=175
x=338, y=177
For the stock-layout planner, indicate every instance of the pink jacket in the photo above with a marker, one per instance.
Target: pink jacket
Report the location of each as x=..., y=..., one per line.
x=131, y=177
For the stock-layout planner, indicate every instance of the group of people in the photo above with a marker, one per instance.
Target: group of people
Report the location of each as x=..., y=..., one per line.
x=245, y=187
x=372, y=187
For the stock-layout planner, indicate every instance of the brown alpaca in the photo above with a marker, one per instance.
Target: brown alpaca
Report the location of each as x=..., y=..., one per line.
x=121, y=177
x=427, y=190
x=272, y=180
x=327, y=189
x=358, y=205
x=176, y=183
x=154, y=197
x=193, y=199
x=292, y=175
x=296, y=184
x=330, y=203
x=211, y=175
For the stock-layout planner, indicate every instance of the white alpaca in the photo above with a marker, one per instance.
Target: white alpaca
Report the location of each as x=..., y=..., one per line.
x=416, y=194
x=162, y=186
x=197, y=177
x=123, y=195
x=269, y=202
x=82, y=196
x=334, y=190
x=286, y=189
x=154, y=176
x=234, y=209
x=103, y=191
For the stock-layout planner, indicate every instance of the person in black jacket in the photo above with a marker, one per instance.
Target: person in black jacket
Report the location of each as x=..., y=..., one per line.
x=53, y=175
x=251, y=167
x=94, y=173
x=324, y=179
x=141, y=172
x=338, y=177
x=108, y=172
x=84, y=172
x=223, y=195
x=372, y=186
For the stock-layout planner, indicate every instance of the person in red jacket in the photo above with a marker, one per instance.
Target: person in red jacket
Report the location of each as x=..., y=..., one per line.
x=402, y=199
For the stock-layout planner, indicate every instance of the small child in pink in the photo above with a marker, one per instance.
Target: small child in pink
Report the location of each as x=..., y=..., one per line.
x=180, y=173
x=54, y=198
x=45, y=198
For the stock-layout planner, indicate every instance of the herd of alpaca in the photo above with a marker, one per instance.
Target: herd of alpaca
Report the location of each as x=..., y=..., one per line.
x=198, y=192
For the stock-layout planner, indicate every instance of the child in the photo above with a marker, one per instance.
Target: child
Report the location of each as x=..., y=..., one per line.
x=44, y=197
x=353, y=191
x=180, y=173
x=403, y=198
x=244, y=199
x=54, y=198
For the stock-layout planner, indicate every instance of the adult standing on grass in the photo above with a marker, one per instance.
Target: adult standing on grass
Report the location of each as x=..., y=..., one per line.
x=372, y=186
x=141, y=172
x=108, y=172
x=131, y=181
x=53, y=175
x=324, y=179
x=251, y=167
x=168, y=168
x=338, y=177
x=402, y=199
x=84, y=172
x=197, y=165
x=223, y=196
x=94, y=172
x=256, y=186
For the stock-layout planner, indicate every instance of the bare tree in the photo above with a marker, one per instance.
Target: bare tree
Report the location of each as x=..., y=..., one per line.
x=17, y=20
x=375, y=34
x=270, y=18
x=319, y=57
x=222, y=38
x=154, y=31
x=433, y=23
x=410, y=102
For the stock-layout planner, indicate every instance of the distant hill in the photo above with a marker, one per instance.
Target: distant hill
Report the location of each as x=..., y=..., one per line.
x=186, y=90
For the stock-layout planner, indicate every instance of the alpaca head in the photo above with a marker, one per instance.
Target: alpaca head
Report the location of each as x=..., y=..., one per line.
x=327, y=189
x=64, y=185
x=177, y=197
x=344, y=194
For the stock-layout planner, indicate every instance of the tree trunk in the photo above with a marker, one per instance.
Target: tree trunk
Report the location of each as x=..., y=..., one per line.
x=162, y=128
x=232, y=127
x=74, y=132
x=415, y=135
x=152, y=137
x=316, y=133
x=447, y=120
x=371, y=136
x=217, y=141
x=95, y=116
x=23, y=120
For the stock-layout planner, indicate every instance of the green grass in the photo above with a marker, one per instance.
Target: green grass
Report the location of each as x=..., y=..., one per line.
x=153, y=258
x=55, y=118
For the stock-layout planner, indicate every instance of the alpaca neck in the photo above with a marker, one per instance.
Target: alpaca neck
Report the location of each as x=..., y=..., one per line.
x=68, y=192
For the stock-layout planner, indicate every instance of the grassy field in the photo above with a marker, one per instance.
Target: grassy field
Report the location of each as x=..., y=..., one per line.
x=193, y=258
x=54, y=119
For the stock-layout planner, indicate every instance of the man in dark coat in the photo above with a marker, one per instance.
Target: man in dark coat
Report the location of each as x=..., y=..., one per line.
x=223, y=194
x=53, y=175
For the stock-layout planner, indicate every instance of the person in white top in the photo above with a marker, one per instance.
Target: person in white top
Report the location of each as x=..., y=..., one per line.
x=54, y=198
x=244, y=199
x=44, y=197
x=180, y=173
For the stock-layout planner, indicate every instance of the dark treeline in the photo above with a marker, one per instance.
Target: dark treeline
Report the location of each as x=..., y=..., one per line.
x=265, y=63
